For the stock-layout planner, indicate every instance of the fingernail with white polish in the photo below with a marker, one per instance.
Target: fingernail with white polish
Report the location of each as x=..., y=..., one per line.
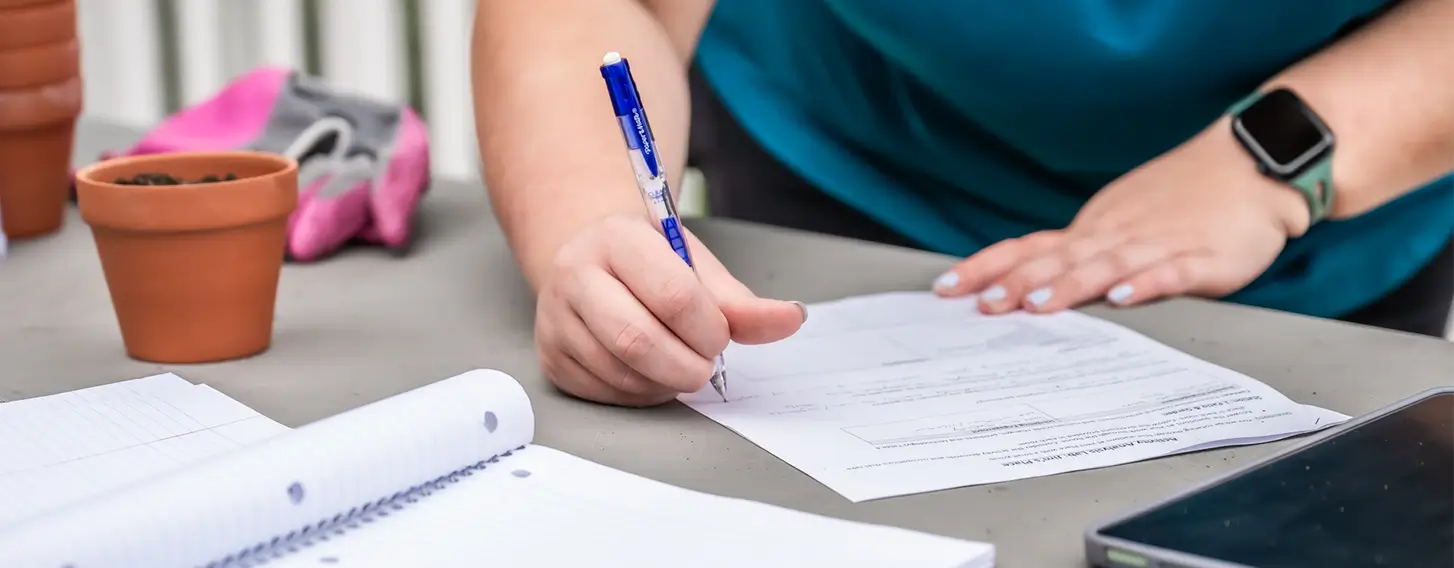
x=946, y=281
x=802, y=308
x=993, y=294
x=1039, y=296
x=1120, y=294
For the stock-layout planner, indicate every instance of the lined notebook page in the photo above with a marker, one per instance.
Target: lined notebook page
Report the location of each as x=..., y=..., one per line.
x=542, y=507
x=66, y=448
x=292, y=483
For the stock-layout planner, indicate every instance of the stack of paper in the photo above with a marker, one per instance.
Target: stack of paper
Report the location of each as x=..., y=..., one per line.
x=67, y=448
x=899, y=393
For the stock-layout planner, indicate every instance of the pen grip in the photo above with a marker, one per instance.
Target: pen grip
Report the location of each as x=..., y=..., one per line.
x=672, y=229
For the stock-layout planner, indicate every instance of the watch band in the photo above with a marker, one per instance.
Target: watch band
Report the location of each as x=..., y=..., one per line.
x=1243, y=103
x=1315, y=183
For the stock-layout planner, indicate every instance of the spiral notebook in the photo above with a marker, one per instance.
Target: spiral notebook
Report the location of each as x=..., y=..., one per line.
x=440, y=476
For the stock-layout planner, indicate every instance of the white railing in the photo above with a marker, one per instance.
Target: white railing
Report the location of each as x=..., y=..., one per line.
x=144, y=59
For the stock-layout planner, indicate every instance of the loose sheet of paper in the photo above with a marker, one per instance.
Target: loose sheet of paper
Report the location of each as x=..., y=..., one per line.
x=66, y=448
x=900, y=393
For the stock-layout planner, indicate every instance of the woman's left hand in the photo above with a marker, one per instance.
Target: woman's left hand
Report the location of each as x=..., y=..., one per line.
x=1198, y=220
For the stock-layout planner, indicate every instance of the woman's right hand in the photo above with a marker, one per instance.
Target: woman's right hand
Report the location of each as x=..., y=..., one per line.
x=620, y=319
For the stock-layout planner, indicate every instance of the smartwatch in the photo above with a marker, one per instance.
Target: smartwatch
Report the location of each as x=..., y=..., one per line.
x=1289, y=143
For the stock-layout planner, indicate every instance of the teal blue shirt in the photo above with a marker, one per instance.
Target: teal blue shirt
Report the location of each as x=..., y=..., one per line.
x=962, y=123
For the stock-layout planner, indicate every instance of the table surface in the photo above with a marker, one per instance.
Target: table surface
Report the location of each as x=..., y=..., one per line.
x=363, y=326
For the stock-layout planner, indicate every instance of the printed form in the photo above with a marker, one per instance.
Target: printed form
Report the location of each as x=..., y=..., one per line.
x=900, y=393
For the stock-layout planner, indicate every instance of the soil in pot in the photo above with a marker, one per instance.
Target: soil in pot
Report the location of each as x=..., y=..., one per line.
x=153, y=178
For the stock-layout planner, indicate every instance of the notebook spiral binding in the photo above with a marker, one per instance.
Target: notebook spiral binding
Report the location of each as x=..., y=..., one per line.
x=295, y=540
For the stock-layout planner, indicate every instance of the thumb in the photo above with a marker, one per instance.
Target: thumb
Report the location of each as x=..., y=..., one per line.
x=750, y=319
x=754, y=320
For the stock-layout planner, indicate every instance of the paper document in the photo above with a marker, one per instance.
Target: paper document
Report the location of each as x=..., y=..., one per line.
x=900, y=393
x=66, y=448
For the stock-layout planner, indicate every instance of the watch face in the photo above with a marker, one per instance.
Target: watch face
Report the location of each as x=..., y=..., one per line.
x=1283, y=131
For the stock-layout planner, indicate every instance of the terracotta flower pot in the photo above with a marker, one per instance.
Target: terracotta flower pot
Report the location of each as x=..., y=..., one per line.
x=192, y=269
x=37, y=134
x=40, y=98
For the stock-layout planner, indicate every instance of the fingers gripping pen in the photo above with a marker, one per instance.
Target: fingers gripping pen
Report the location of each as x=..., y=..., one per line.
x=650, y=173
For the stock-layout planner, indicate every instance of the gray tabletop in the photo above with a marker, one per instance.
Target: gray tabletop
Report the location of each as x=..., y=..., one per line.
x=363, y=326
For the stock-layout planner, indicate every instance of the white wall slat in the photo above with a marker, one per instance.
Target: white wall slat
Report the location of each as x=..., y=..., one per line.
x=122, y=75
x=362, y=47
x=200, y=43
x=445, y=35
x=279, y=29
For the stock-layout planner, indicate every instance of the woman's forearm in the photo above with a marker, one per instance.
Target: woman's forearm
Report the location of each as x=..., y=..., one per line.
x=551, y=153
x=1387, y=92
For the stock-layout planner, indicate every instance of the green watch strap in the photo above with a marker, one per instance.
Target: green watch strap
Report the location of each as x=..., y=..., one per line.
x=1315, y=183
x=1245, y=102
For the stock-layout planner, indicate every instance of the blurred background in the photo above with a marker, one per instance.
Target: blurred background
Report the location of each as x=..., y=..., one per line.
x=144, y=59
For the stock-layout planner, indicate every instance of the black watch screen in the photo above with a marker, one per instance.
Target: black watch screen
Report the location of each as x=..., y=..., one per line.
x=1283, y=132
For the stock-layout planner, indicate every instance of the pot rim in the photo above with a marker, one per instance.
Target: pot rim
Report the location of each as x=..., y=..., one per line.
x=286, y=166
x=62, y=61
x=44, y=106
x=46, y=22
x=189, y=207
x=28, y=3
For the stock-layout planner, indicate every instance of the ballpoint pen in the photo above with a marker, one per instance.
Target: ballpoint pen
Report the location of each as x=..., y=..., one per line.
x=650, y=173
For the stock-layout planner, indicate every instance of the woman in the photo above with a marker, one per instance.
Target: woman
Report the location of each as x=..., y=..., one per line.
x=1290, y=155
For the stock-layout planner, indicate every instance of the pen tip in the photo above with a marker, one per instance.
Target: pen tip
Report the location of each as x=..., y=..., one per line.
x=719, y=381
x=611, y=57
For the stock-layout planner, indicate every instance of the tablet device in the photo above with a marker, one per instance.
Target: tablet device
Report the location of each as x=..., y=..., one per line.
x=1374, y=491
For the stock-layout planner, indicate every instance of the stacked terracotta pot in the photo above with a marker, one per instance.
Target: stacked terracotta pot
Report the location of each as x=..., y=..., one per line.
x=40, y=98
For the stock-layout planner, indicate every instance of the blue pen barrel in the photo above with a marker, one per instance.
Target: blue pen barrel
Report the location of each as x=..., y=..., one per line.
x=626, y=102
x=641, y=150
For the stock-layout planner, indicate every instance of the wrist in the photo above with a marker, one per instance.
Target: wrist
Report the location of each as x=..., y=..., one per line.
x=1284, y=204
x=536, y=242
x=1288, y=143
x=1288, y=206
x=541, y=218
